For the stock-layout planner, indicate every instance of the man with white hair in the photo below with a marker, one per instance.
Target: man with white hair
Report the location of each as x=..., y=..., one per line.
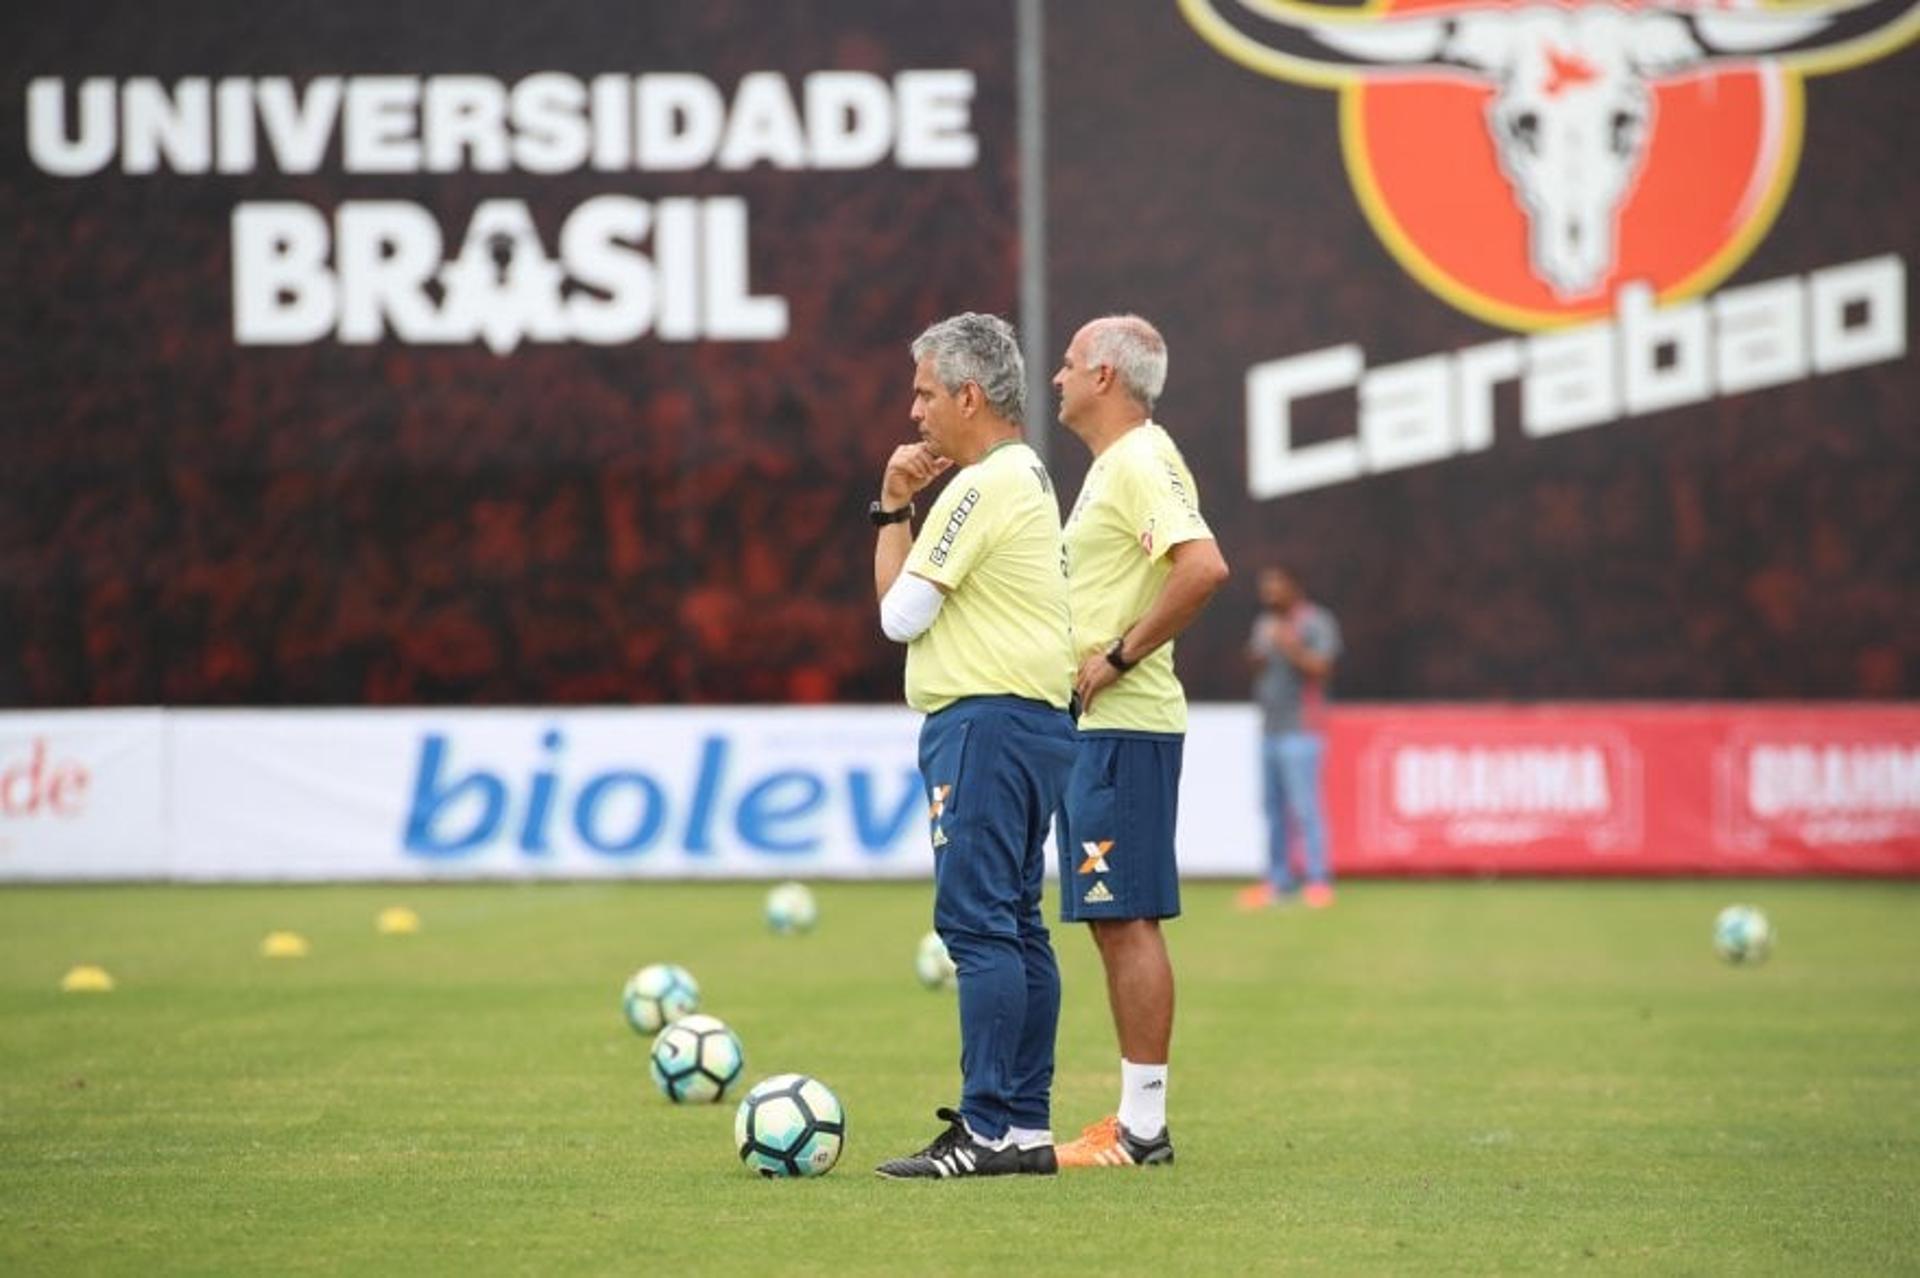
x=980, y=600
x=1141, y=563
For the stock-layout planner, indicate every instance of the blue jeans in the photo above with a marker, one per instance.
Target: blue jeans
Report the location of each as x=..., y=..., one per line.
x=1291, y=765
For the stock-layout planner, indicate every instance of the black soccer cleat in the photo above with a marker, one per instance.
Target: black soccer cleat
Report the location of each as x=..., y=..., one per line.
x=955, y=1152
x=1157, y=1152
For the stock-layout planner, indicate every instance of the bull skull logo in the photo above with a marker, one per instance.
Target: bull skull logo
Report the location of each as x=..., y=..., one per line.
x=1572, y=105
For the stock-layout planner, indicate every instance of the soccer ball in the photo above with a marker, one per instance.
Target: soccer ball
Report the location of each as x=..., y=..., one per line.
x=697, y=1058
x=933, y=965
x=790, y=1125
x=790, y=908
x=1742, y=934
x=658, y=995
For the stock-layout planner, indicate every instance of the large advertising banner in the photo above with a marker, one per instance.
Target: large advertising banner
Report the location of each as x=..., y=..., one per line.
x=1609, y=790
x=83, y=795
x=1563, y=350
x=475, y=351
x=495, y=353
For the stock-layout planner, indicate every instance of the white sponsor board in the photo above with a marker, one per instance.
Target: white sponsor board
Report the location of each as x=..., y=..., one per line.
x=528, y=793
x=264, y=795
x=82, y=795
x=1222, y=830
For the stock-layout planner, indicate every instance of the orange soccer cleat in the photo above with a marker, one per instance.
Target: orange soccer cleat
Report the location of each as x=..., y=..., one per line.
x=1318, y=896
x=1256, y=896
x=1108, y=1144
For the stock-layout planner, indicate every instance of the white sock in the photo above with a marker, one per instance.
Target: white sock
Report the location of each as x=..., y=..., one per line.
x=978, y=1139
x=1028, y=1137
x=1143, y=1099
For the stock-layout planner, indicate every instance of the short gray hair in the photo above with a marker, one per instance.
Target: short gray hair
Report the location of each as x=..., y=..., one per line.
x=1136, y=353
x=981, y=349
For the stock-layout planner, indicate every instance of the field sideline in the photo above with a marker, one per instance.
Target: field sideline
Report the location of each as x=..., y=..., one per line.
x=1432, y=1077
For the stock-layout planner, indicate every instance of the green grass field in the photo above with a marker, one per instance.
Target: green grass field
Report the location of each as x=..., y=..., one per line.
x=1429, y=1078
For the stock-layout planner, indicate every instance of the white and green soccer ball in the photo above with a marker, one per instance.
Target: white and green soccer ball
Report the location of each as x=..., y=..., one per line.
x=933, y=965
x=697, y=1058
x=658, y=995
x=791, y=908
x=790, y=1125
x=1742, y=934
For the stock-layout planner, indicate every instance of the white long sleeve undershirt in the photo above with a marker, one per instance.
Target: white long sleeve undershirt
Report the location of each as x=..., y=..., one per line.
x=909, y=607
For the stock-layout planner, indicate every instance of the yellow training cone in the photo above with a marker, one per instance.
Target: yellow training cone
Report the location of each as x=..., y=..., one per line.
x=86, y=979
x=397, y=920
x=285, y=945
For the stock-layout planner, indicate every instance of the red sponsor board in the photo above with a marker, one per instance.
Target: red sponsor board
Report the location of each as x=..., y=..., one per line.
x=1626, y=789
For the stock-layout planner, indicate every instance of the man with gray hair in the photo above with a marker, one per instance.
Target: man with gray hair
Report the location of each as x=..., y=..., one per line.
x=1141, y=563
x=980, y=601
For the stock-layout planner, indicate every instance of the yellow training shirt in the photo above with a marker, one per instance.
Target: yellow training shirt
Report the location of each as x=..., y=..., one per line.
x=1138, y=503
x=992, y=540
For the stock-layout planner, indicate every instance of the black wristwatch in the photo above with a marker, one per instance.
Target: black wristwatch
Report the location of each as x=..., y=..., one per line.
x=1117, y=661
x=881, y=516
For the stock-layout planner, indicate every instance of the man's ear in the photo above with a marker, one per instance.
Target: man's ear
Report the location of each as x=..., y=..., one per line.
x=971, y=398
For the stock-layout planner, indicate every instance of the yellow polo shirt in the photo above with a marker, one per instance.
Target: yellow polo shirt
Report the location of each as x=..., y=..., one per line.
x=1138, y=503
x=993, y=541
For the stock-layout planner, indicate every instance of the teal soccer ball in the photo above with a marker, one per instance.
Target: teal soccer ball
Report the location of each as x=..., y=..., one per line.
x=658, y=995
x=1742, y=934
x=933, y=965
x=697, y=1058
x=790, y=1125
x=791, y=908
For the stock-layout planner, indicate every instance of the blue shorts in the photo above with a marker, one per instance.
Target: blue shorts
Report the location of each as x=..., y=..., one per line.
x=994, y=768
x=1115, y=833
